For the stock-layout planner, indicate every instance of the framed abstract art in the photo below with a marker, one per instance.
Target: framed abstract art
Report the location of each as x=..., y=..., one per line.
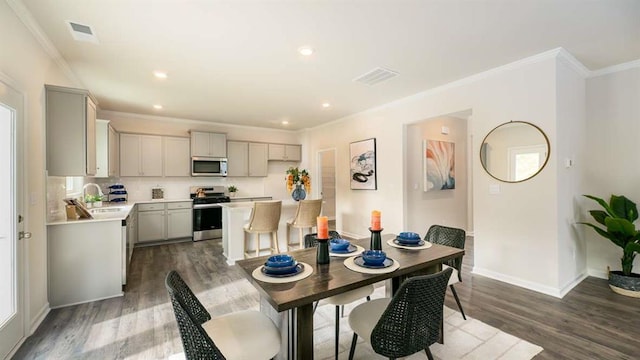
x=438, y=165
x=363, y=173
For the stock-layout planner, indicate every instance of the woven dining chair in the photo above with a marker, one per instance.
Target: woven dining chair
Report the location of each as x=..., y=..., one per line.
x=265, y=219
x=198, y=329
x=405, y=324
x=305, y=218
x=340, y=300
x=454, y=237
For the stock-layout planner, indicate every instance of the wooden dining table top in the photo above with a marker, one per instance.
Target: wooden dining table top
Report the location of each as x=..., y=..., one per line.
x=334, y=278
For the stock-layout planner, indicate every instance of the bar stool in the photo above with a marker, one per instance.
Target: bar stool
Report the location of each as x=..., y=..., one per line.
x=306, y=215
x=265, y=217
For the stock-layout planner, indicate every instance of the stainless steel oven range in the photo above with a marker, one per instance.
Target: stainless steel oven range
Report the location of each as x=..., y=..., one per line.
x=207, y=212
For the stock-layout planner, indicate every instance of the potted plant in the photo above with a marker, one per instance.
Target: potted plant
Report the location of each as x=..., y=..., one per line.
x=232, y=190
x=618, y=217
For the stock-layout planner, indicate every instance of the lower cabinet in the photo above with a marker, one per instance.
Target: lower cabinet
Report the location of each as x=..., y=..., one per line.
x=164, y=221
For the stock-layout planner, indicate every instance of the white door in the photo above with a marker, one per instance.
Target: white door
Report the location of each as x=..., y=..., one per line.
x=327, y=162
x=11, y=220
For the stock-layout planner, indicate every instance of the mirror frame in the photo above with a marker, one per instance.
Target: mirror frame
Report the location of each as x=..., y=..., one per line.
x=546, y=160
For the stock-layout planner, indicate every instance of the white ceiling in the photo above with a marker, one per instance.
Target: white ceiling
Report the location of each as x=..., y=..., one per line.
x=237, y=61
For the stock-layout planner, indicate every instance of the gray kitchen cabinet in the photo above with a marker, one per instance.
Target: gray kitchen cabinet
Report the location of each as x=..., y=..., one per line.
x=179, y=222
x=151, y=225
x=258, y=159
x=114, y=152
x=164, y=221
x=285, y=152
x=140, y=155
x=106, y=150
x=177, y=161
x=246, y=158
x=208, y=144
x=237, y=158
x=71, y=132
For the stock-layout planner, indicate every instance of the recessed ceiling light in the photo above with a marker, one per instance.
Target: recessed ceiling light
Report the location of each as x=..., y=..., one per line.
x=157, y=107
x=160, y=74
x=305, y=51
x=326, y=105
x=285, y=122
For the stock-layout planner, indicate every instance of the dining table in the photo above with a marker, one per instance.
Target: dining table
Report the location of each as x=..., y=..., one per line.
x=297, y=298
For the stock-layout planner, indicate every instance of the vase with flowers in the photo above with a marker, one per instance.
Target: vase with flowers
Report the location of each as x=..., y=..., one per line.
x=298, y=183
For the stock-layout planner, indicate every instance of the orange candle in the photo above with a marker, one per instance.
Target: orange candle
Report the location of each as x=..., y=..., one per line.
x=323, y=227
x=375, y=220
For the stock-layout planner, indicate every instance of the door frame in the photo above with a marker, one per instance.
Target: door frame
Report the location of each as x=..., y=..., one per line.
x=21, y=201
x=319, y=172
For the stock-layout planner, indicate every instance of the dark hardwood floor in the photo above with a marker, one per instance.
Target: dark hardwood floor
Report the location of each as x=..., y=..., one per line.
x=591, y=322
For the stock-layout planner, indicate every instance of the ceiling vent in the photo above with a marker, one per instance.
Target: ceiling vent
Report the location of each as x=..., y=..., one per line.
x=82, y=32
x=376, y=76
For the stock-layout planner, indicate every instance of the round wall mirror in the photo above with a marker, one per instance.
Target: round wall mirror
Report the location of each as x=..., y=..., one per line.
x=515, y=151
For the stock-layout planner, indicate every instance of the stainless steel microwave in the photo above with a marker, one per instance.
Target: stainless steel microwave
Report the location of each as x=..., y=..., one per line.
x=208, y=166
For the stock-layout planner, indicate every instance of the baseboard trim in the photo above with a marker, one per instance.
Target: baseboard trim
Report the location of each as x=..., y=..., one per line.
x=16, y=348
x=565, y=290
x=35, y=323
x=88, y=301
x=548, y=290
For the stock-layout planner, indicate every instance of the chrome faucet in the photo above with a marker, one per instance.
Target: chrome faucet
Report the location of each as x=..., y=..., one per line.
x=84, y=190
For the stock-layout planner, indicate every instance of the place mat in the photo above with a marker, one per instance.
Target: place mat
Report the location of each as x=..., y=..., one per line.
x=359, y=250
x=352, y=266
x=421, y=247
x=258, y=275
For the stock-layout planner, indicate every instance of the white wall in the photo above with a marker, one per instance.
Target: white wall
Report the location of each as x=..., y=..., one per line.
x=24, y=61
x=516, y=231
x=612, y=133
x=446, y=207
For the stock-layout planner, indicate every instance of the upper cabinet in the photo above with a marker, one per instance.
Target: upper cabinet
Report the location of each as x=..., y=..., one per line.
x=140, y=155
x=177, y=161
x=71, y=132
x=107, y=145
x=285, y=152
x=246, y=158
x=208, y=144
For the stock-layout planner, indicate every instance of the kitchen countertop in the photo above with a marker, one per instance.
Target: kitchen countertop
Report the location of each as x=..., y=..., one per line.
x=111, y=212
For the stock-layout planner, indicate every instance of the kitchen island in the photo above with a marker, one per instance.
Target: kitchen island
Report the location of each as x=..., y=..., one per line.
x=235, y=215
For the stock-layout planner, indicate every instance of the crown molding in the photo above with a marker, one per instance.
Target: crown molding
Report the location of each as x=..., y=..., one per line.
x=110, y=115
x=616, y=68
x=32, y=25
x=571, y=60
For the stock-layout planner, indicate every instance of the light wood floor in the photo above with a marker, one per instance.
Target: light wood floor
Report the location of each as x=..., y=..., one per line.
x=589, y=323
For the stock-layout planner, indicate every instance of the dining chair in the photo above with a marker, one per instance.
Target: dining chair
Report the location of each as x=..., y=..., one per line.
x=198, y=330
x=454, y=237
x=340, y=300
x=305, y=218
x=265, y=218
x=405, y=324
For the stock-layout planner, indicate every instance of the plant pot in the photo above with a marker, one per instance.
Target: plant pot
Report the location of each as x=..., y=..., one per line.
x=298, y=193
x=232, y=194
x=625, y=285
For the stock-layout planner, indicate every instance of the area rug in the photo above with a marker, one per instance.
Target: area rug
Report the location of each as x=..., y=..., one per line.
x=464, y=339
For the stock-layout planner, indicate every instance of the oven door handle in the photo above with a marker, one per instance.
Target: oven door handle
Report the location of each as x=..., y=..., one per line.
x=206, y=206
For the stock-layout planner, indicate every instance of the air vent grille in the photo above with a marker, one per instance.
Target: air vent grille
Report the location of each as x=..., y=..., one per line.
x=81, y=32
x=376, y=76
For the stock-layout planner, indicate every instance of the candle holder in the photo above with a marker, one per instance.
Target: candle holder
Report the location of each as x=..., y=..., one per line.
x=376, y=239
x=322, y=255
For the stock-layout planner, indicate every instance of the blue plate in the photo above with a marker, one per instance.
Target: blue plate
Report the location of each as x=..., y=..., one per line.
x=295, y=271
x=360, y=262
x=399, y=241
x=348, y=250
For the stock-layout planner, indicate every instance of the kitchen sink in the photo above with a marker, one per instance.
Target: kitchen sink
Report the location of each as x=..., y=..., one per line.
x=110, y=209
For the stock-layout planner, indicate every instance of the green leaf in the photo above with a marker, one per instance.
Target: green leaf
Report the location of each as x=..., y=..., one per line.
x=602, y=203
x=624, y=208
x=623, y=227
x=614, y=239
x=632, y=247
x=599, y=216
